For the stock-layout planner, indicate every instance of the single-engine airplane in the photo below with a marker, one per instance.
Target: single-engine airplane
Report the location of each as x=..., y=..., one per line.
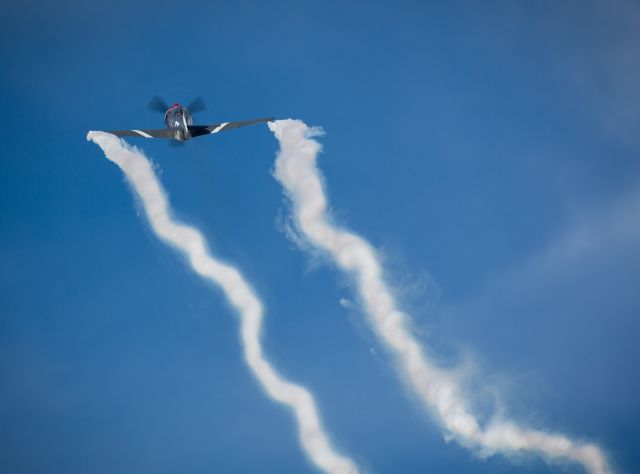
x=179, y=124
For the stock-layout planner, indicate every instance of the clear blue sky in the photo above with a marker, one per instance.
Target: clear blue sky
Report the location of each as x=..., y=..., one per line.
x=490, y=149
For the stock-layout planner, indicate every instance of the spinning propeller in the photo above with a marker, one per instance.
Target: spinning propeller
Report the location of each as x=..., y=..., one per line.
x=156, y=104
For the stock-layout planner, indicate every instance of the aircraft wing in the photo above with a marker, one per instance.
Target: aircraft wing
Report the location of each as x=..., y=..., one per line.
x=161, y=133
x=198, y=130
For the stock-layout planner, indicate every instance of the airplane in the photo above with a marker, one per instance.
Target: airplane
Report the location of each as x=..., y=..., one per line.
x=179, y=123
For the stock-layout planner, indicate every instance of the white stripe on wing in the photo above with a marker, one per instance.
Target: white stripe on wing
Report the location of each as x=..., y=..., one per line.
x=219, y=127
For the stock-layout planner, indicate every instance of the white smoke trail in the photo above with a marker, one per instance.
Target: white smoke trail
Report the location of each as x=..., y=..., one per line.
x=438, y=389
x=191, y=243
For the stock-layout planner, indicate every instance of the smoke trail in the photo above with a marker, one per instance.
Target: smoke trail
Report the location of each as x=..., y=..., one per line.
x=191, y=243
x=438, y=389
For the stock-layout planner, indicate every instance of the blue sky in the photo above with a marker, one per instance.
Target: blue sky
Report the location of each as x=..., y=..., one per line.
x=490, y=151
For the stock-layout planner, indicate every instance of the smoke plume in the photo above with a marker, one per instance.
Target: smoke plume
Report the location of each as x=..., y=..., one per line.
x=438, y=389
x=190, y=242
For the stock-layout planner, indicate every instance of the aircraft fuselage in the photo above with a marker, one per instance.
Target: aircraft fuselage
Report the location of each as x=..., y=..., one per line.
x=178, y=119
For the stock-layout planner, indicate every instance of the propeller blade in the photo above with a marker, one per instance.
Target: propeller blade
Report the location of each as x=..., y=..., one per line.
x=197, y=105
x=157, y=104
